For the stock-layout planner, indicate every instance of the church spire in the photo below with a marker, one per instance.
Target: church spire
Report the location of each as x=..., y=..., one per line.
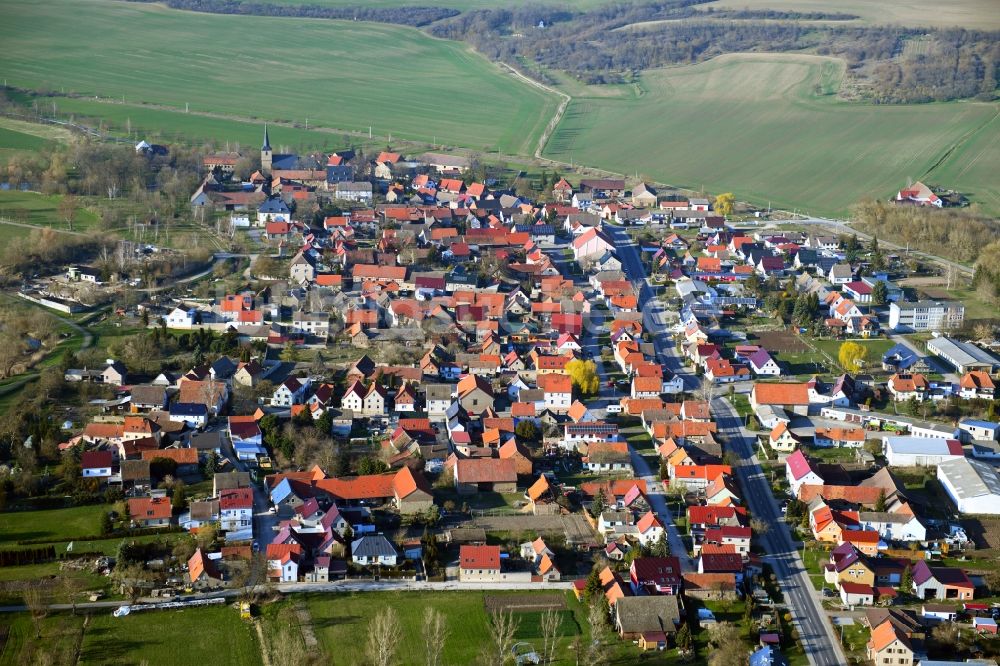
x=267, y=141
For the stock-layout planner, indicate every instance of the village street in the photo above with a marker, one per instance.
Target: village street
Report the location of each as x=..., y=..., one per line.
x=818, y=639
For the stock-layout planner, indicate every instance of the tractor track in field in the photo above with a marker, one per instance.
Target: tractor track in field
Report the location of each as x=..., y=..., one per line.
x=962, y=140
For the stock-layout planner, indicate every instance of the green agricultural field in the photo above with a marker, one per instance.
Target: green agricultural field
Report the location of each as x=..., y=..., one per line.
x=60, y=636
x=339, y=75
x=975, y=163
x=756, y=125
x=169, y=126
x=51, y=524
x=11, y=140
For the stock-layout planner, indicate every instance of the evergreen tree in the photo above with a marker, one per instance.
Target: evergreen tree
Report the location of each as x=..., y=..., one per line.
x=880, y=503
x=906, y=580
x=597, y=506
x=592, y=588
x=683, y=638
x=880, y=293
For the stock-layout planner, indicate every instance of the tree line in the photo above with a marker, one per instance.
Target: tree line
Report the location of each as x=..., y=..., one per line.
x=412, y=16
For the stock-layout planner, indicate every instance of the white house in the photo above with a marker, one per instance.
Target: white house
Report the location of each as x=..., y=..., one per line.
x=96, y=464
x=236, y=509
x=592, y=243
x=649, y=529
x=799, y=472
x=761, y=363
x=181, y=318
x=290, y=392
x=374, y=549
x=893, y=526
x=283, y=562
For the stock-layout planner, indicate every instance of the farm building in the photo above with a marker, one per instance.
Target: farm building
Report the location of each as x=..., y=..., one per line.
x=972, y=485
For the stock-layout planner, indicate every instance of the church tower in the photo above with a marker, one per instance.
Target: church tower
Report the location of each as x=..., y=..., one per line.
x=265, y=154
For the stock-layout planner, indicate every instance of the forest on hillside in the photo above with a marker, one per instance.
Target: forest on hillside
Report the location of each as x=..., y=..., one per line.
x=949, y=63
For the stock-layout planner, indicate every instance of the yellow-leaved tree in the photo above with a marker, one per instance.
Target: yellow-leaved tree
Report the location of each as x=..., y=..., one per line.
x=724, y=203
x=584, y=376
x=852, y=356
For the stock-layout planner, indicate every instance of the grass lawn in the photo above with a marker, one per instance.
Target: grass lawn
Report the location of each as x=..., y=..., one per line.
x=833, y=454
x=813, y=558
x=51, y=524
x=340, y=620
x=875, y=348
x=767, y=104
x=340, y=75
x=60, y=636
x=40, y=210
x=741, y=402
x=854, y=637
x=213, y=635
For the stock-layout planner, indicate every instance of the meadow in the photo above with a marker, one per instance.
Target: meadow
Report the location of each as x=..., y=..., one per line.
x=339, y=75
x=770, y=129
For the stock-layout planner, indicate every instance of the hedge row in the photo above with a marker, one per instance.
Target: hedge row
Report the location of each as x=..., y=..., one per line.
x=117, y=534
x=14, y=558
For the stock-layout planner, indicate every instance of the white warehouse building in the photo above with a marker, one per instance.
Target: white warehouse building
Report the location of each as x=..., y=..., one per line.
x=973, y=485
x=920, y=451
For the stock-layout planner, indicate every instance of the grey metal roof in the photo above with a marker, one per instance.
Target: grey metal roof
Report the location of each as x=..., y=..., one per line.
x=372, y=545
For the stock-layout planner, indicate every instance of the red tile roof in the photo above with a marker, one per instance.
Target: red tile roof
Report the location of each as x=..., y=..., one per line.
x=479, y=557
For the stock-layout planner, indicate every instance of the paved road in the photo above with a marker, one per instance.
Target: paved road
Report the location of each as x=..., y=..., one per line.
x=817, y=637
x=816, y=634
x=264, y=522
x=643, y=470
x=655, y=318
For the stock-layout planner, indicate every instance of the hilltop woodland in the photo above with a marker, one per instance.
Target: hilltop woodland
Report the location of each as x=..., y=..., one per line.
x=604, y=45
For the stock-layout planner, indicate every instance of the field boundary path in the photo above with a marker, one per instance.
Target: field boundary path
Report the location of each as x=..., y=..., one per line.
x=305, y=625
x=25, y=225
x=556, y=117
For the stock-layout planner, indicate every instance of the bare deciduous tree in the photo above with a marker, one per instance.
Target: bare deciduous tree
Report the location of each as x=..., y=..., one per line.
x=502, y=627
x=384, y=634
x=435, y=633
x=550, y=635
x=36, y=607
